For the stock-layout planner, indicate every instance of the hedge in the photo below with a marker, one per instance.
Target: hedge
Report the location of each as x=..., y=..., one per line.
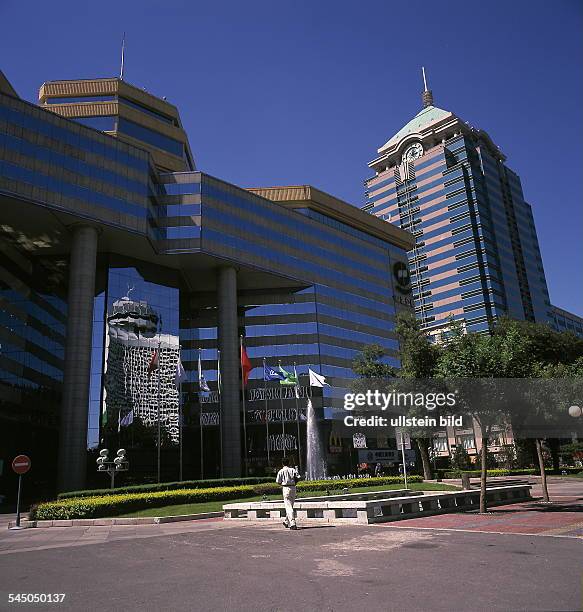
x=112, y=505
x=493, y=472
x=502, y=472
x=336, y=485
x=166, y=486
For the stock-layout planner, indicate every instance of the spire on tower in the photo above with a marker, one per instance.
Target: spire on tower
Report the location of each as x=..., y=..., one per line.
x=427, y=95
x=123, y=48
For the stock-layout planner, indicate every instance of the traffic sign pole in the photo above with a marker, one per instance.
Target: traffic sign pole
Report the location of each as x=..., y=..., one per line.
x=20, y=465
x=18, y=501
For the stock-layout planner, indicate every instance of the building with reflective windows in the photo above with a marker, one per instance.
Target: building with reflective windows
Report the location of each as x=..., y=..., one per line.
x=562, y=320
x=476, y=256
x=132, y=387
x=99, y=195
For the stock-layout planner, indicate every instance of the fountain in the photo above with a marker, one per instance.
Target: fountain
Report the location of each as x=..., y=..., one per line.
x=316, y=462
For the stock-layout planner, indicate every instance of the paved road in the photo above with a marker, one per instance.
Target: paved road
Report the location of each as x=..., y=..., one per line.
x=321, y=568
x=215, y=565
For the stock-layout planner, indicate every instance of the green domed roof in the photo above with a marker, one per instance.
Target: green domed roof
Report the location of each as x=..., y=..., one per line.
x=425, y=117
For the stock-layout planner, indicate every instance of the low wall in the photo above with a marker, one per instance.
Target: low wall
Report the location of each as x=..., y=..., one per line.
x=378, y=507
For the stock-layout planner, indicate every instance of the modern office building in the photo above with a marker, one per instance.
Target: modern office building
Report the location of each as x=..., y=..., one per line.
x=563, y=320
x=99, y=194
x=476, y=256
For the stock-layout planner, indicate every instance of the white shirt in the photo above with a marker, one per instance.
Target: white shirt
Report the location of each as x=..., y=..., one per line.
x=287, y=476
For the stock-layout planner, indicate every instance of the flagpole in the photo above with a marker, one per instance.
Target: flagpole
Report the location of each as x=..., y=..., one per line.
x=200, y=418
x=282, y=420
x=180, y=432
x=297, y=392
x=244, y=410
x=220, y=408
x=266, y=413
x=159, y=377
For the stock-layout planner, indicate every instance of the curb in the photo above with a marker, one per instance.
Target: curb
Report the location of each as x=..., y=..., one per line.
x=104, y=522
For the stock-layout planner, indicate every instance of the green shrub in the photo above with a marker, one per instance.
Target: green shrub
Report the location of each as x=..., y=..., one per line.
x=112, y=505
x=460, y=459
x=166, y=486
x=335, y=485
x=267, y=488
x=497, y=472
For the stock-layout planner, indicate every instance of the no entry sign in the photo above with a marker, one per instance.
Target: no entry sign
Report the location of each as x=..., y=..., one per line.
x=21, y=464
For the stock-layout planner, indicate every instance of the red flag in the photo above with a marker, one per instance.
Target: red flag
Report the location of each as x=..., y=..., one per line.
x=153, y=365
x=246, y=366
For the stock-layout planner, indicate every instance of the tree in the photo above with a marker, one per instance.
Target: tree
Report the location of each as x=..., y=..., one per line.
x=460, y=459
x=541, y=353
x=542, y=347
x=507, y=457
x=419, y=359
x=369, y=365
x=571, y=453
x=472, y=363
x=549, y=401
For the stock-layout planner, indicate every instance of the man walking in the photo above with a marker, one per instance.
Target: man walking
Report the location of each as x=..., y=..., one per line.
x=287, y=478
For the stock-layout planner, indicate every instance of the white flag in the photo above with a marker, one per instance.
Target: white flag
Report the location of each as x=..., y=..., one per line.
x=180, y=373
x=203, y=385
x=317, y=380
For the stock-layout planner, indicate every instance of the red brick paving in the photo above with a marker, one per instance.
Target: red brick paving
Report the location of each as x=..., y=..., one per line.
x=564, y=518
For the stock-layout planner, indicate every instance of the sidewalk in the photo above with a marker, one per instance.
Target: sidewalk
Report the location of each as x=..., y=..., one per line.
x=562, y=517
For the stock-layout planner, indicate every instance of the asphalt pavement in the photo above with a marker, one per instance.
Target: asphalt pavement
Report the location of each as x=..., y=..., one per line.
x=220, y=565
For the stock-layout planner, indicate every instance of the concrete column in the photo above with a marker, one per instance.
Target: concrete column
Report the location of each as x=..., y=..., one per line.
x=230, y=372
x=73, y=429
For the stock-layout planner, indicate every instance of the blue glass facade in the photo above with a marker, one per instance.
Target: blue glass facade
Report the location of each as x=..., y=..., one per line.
x=313, y=287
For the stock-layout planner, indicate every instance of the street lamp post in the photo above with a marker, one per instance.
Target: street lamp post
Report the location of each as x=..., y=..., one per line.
x=119, y=464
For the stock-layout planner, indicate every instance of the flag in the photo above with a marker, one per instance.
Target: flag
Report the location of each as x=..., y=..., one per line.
x=246, y=366
x=271, y=373
x=104, y=415
x=202, y=383
x=128, y=419
x=180, y=373
x=317, y=380
x=288, y=377
x=153, y=365
x=297, y=389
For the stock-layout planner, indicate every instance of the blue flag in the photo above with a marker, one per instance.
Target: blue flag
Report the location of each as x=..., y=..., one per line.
x=128, y=419
x=271, y=373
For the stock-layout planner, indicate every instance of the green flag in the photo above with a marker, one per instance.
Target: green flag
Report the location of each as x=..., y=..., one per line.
x=288, y=377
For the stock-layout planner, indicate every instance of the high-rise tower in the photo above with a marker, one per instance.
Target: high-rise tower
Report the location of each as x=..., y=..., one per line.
x=476, y=256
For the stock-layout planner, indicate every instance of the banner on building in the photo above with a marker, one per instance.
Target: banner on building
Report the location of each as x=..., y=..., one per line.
x=209, y=418
x=276, y=415
x=259, y=394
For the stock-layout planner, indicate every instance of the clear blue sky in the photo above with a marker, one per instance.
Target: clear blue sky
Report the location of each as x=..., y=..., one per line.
x=292, y=92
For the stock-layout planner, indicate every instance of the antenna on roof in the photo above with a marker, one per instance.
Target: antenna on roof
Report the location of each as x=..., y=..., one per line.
x=123, y=48
x=427, y=95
